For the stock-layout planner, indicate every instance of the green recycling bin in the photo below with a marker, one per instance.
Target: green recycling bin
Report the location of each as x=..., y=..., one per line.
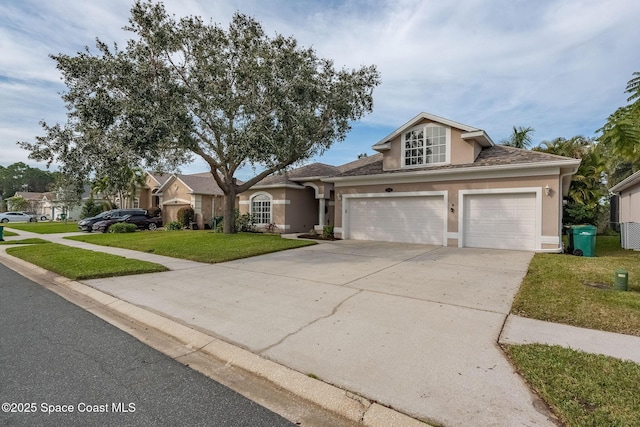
x=584, y=240
x=1, y=233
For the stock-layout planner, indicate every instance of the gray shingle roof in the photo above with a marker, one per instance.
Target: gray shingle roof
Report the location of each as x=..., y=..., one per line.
x=201, y=184
x=490, y=156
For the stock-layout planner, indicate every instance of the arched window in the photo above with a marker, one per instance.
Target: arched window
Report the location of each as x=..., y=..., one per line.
x=425, y=145
x=261, y=208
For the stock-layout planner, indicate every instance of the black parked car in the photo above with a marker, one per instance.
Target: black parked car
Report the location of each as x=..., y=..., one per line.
x=86, y=224
x=142, y=221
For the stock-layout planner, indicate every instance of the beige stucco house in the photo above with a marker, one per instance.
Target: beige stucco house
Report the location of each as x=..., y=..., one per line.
x=434, y=181
x=170, y=192
x=628, y=192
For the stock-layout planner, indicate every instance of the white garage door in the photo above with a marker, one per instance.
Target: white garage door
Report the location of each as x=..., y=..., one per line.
x=418, y=219
x=500, y=221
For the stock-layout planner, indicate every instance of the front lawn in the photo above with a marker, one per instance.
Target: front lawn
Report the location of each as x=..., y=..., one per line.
x=567, y=289
x=7, y=233
x=45, y=227
x=201, y=246
x=583, y=389
x=80, y=264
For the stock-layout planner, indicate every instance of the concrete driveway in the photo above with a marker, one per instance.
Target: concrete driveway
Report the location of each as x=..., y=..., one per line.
x=413, y=327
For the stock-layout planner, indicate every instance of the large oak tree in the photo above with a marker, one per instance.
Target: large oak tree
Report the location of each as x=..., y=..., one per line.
x=181, y=87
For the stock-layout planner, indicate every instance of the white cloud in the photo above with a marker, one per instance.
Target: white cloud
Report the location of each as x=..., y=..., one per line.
x=558, y=66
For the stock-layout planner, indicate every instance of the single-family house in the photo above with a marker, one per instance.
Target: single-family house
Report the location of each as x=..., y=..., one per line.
x=628, y=214
x=170, y=192
x=434, y=181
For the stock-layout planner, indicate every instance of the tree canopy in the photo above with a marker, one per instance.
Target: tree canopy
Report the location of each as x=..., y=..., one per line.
x=235, y=97
x=620, y=136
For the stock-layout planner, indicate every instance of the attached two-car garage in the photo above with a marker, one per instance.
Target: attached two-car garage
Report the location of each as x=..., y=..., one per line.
x=503, y=220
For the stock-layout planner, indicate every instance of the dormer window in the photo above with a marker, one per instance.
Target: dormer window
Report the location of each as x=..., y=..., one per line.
x=426, y=145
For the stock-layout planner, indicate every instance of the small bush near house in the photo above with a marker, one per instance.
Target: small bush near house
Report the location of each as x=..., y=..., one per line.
x=327, y=232
x=186, y=216
x=173, y=226
x=154, y=212
x=122, y=227
x=245, y=222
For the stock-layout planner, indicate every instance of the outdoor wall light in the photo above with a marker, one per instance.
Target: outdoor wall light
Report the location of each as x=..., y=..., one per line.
x=547, y=190
x=388, y=189
x=452, y=208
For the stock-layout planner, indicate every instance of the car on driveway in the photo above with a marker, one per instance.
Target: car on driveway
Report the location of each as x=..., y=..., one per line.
x=141, y=221
x=16, y=217
x=86, y=224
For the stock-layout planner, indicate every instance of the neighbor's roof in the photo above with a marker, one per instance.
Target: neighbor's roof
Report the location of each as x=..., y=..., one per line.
x=201, y=184
x=627, y=183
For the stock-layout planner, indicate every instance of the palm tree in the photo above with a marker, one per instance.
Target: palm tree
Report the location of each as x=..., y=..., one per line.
x=136, y=179
x=520, y=138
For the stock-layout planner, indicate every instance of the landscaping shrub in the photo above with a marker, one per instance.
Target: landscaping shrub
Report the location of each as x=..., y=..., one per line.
x=245, y=222
x=90, y=209
x=122, y=227
x=186, y=216
x=173, y=226
x=327, y=232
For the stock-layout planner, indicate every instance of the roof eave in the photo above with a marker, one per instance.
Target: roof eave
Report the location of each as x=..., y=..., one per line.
x=480, y=137
x=570, y=165
x=626, y=183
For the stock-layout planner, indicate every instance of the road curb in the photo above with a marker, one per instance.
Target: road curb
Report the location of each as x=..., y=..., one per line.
x=341, y=402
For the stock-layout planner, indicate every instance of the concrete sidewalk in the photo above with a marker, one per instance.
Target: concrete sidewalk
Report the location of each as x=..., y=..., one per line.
x=520, y=330
x=410, y=326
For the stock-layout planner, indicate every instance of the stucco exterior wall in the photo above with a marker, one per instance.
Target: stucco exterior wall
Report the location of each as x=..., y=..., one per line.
x=462, y=152
x=630, y=204
x=301, y=212
x=550, y=204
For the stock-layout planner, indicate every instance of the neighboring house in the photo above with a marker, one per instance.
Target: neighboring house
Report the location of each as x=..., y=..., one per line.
x=628, y=214
x=48, y=204
x=435, y=181
x=170, y=192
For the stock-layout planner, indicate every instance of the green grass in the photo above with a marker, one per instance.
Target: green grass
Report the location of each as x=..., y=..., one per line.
x=24, y=242
x=583, y=389
x=45, y=227
x=81, y=264
x=7, y=233
x=555, y=289
x=201, y=246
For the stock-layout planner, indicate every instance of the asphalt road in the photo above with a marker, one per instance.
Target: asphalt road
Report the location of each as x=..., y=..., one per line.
x=60, y=365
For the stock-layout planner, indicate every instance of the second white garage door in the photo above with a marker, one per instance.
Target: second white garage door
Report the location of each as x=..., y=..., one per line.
x=500, y=221
x=418, y=219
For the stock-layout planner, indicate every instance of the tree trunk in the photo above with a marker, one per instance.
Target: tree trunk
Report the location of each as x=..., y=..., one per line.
x=229, y=223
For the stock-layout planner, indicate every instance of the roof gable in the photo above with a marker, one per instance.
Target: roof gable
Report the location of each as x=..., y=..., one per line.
x=469, y=131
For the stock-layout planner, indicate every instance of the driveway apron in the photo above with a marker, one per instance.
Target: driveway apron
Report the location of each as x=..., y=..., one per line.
x=413, y=327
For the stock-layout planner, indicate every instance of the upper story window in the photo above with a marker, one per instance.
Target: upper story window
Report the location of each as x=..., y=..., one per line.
x=425, y=145
x=261, y=208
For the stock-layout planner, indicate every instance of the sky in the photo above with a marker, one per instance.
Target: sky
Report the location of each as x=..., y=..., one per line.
x=560, y=67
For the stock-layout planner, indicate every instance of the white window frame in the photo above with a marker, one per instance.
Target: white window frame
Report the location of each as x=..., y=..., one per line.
x=251, y=209
x=423, y=128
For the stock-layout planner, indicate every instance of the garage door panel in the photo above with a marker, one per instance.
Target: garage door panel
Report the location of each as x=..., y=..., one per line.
x=501, y=221
x=397, y=219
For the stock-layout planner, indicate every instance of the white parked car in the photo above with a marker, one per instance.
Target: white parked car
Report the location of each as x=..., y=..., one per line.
x=16, y=217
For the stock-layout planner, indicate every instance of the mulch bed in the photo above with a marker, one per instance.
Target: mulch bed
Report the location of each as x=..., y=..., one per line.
x=316, y=237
